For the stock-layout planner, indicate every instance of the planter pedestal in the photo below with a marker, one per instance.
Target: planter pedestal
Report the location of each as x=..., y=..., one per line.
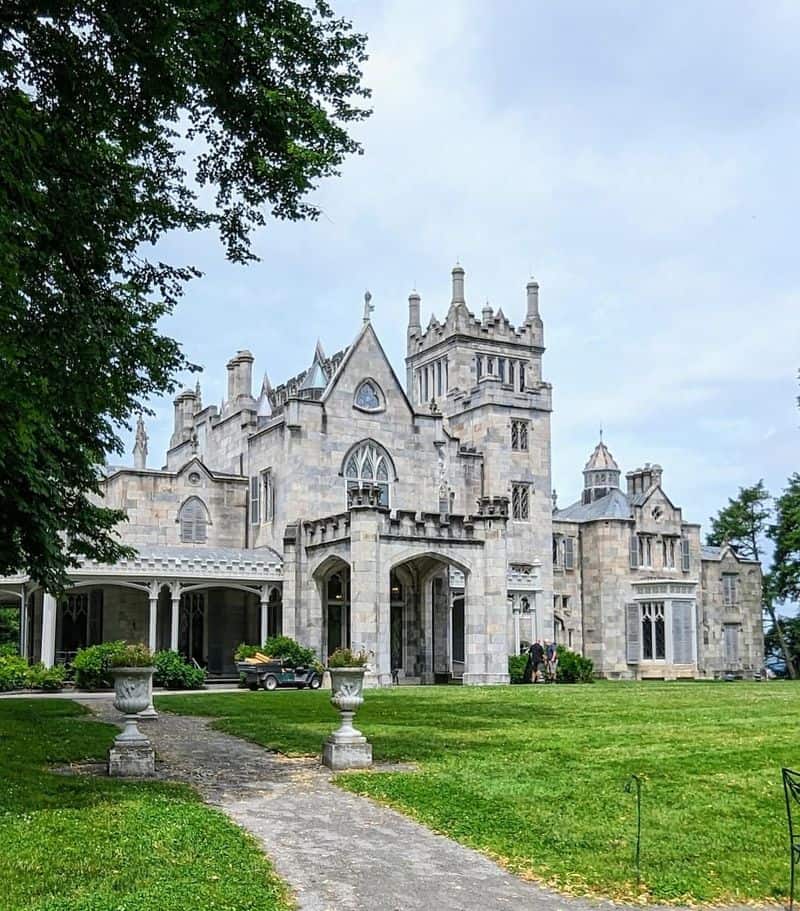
x=347, y=748
x=132, y=755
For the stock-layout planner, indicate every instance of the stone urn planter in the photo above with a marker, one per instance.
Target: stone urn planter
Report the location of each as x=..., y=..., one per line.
x=132, y=753
x=346, y=747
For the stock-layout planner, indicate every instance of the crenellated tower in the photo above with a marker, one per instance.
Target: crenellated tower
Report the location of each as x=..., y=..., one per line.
x=485, y=375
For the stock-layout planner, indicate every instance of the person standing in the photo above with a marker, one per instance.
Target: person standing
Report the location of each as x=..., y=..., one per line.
x=552, y=661
x=536, y=659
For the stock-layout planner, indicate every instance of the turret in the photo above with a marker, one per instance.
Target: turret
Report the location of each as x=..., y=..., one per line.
x=458, y=286
x=600, y=474
x=532, y=312
x=414, y=325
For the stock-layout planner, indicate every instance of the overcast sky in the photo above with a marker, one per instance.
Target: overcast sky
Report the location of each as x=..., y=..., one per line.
x=640, y=160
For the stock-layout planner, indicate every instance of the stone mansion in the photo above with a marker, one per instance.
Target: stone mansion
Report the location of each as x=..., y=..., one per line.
x=412, y=519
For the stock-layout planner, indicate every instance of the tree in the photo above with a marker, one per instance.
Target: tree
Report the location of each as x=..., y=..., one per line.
x=101, y=105
x=785, y=533
x=743, y=524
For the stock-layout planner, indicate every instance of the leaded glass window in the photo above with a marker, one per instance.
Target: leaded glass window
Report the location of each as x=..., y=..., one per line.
x=368, y=463
x=654, y=645
x=367, y=396
x=519, y=435
x=520, y=501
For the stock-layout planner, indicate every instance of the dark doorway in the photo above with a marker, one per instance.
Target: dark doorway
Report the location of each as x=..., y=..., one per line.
x=191, y=631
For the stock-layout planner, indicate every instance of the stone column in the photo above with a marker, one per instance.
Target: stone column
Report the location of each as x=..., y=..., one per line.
x=152, y=617
x=426, y=626
x=48, y=630
x=487, y=601
x=264, y=601
x=175, y=590
x=515, y=610
x=369, y=593
x=23, y=623
x=290, y=594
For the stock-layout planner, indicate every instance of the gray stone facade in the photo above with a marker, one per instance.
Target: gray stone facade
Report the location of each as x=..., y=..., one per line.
x=412, y=521
x=652, y=601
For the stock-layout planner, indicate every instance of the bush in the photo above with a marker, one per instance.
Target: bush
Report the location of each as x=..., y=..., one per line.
x=92, y=665
x=284, y=647
x=516, y=667
x=48, y=679
x=574, y=668
x=174, y=672
x=345, y=657
x=9, y=649
x=137, y=655
x=245, y=651
x=13, y=673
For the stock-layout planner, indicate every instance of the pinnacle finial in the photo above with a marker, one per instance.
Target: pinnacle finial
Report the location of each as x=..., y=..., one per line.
x=368, y=306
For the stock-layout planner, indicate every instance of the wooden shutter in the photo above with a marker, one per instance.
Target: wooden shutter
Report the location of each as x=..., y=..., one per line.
x=569, y=553
x=255, y=500
x=685, y=556
x=682, y=632
x=633, y=634
x=634, y=552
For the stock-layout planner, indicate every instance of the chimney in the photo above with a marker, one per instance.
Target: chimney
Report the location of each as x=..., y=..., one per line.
x=240, y=377
x=486, y=314
x=458, y=285
x=413, y=312
x=533, y=300
x=184, y=411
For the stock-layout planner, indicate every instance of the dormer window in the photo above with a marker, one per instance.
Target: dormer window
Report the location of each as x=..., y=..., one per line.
x=369, y=396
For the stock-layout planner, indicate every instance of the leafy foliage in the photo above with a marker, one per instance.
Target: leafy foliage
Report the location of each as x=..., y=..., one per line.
x=9, y=625
x=346, y=657
x=743, y=521
x=284, y=647
x=99, y=102
x=516, y=667
x=13, y=672
x=92, y=665
x=574, y=668
x=174, y=672
x=48, y=679
x=135, y=655
x=785, y=532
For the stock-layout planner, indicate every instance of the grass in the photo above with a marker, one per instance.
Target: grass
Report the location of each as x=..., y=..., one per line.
x=84, y=843
x=534, y=776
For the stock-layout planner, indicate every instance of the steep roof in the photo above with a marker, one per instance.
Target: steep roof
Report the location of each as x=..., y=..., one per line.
x=601, y=459
x=614, y=505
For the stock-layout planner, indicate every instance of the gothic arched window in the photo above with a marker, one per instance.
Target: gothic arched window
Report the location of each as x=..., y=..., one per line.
x=369, y=396
x=194, y=521
x=369, y=464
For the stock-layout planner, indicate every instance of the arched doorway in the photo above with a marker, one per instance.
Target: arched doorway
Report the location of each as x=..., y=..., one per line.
x=428, y=618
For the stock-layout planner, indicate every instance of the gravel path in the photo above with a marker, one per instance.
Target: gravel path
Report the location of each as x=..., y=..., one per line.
x=338, y=851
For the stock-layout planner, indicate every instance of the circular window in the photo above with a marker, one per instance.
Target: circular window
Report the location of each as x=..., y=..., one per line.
x=194, y=477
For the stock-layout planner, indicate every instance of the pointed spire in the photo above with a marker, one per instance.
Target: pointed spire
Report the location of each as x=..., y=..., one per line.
x=140, y=446
x=315, y=377
x=264, y=410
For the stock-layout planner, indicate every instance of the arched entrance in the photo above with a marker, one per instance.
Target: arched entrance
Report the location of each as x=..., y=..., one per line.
x=428, y=601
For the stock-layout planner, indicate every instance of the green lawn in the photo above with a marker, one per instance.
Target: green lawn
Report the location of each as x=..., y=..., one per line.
x=80, y=843
x=534, y=775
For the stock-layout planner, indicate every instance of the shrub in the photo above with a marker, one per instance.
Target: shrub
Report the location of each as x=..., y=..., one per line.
x=9, y=649
x=174, y=672
x=137, y=655
x=245, y=651
x=284, y=647
x=92, y=665
x=574, y=668
x=292, y=653
x=345, y=657
x=13, y=673
x=48, y=679
x=516, y=667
